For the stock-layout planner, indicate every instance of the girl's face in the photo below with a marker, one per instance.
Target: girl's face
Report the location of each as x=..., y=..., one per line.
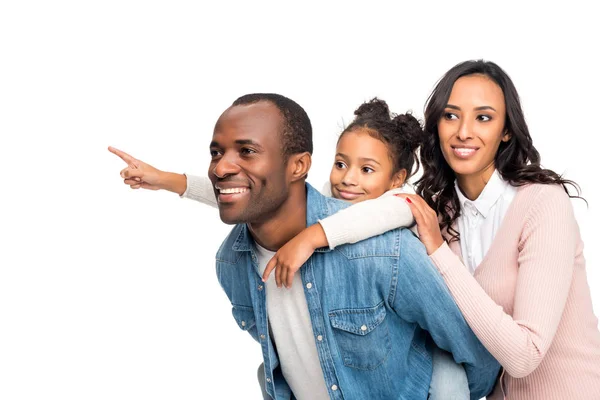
x=472, y=127
x=362, y=168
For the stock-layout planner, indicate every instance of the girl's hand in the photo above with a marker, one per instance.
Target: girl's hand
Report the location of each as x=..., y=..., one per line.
x=138, y=174
x=427, y=222
x=294, y=254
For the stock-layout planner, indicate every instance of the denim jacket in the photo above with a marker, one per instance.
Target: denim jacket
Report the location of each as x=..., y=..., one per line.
x=376, y=305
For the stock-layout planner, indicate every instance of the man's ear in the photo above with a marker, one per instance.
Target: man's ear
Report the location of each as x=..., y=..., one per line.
x=298, y=166
x=398, y=179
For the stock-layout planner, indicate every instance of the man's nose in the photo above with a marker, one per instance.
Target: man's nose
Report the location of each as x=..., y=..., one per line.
x=226, y=166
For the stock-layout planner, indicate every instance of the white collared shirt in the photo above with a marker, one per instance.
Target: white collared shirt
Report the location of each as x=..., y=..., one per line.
x=480, y=219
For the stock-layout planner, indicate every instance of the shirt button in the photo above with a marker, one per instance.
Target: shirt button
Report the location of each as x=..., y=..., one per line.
x=260, y=287
x=363, y=328
x=262, y=337
x=334, y=387
x=308, y=285
x=320, y=338
x=243, y=323
x=269, y=380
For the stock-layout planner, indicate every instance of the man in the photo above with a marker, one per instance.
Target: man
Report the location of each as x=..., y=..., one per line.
x=353, y=325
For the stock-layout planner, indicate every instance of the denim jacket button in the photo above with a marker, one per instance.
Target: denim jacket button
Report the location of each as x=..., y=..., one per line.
x=262, y=337
x=320, y=338
x=363, y=328
x=269, y=380
x=308, y=285
x=243, y=323
x=260, y=287
x=334, y=387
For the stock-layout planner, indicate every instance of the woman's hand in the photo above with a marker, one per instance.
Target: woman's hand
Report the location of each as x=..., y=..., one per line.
x=427, y=221
x=288, y=259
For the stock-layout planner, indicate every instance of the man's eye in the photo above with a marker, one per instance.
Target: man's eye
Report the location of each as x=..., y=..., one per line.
x=246, y=150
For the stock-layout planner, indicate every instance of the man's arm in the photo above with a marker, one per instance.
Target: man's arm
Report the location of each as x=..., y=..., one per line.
x=422, y=297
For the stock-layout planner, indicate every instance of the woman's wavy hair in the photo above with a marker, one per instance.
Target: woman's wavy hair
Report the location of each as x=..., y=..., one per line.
x=517, y=160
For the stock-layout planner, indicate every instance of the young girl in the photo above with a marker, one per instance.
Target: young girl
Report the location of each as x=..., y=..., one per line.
x=375, y=155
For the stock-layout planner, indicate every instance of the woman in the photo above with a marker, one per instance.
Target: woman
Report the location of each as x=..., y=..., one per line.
x=487, y=208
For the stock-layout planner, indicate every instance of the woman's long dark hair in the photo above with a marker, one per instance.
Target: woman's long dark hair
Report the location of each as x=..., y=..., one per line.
x=517, y=160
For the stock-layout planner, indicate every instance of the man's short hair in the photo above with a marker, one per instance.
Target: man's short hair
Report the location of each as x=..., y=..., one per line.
x=297, y=129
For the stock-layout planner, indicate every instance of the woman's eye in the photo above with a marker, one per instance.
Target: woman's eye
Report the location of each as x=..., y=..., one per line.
x=450, y=116
x=215, y=153
x=484, y=118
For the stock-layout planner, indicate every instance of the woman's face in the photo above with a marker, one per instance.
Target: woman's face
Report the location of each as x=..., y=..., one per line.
x=472, y=127
x=362, y=168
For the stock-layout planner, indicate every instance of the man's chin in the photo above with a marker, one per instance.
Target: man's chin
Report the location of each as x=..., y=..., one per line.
x=230, y=218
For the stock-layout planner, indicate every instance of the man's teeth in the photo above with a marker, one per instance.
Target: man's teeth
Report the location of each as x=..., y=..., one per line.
x=233, y=190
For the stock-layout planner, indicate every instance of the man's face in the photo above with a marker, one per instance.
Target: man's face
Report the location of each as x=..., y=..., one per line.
x=247, y=168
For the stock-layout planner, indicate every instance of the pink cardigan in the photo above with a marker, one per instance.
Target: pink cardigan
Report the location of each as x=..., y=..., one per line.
x=529, y=301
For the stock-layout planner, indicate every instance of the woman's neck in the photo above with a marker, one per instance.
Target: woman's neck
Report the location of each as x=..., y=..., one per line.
x=472, y=185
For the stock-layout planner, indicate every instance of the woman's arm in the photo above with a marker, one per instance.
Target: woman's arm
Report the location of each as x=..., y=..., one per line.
x=547, y=248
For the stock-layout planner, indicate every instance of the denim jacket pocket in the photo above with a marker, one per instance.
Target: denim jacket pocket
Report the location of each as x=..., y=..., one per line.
x=362, y=336
x=244, y=316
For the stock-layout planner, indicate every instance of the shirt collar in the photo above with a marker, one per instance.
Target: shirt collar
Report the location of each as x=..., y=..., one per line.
x=492, y=191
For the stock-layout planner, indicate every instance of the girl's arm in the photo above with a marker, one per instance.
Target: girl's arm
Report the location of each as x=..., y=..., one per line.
x=200, y=188
x=353, y=224
x=367, y=219
x=546, y=257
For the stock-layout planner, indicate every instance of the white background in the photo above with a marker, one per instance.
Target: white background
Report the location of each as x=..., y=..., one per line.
x=108, y=293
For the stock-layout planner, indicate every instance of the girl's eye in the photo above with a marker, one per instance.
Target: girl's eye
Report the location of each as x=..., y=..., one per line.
x=450, y=116
x=367, y=170
x=339, y=165
x=484, y=118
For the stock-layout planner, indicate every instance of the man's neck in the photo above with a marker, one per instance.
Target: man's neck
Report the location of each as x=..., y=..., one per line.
x=287, y=222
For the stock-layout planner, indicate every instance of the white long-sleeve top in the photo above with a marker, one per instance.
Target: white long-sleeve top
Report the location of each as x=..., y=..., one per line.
x=353, y=224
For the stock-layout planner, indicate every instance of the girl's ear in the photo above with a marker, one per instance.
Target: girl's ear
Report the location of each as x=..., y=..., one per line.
x=398, y=179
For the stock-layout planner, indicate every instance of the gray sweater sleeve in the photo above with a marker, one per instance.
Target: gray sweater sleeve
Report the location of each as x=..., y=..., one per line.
x=200, y=188
x=367, y=219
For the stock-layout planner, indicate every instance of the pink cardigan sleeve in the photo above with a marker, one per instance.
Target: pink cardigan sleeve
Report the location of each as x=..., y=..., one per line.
x=546, y=258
